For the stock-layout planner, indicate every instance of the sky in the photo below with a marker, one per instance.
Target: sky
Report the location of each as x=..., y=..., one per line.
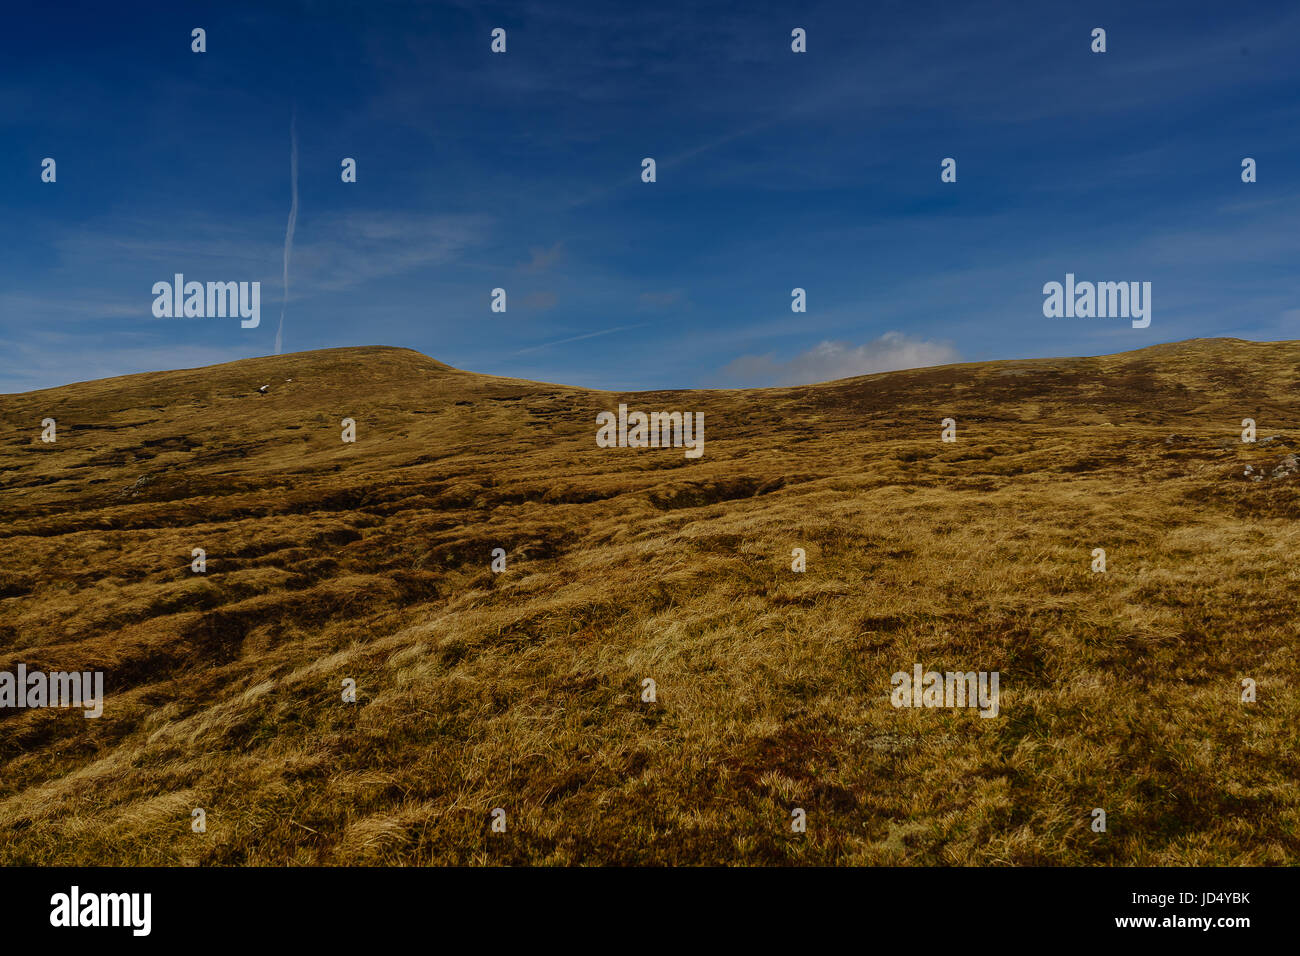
x=522, y=170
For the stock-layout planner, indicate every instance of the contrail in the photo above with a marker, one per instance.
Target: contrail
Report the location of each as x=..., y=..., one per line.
x=293, y=220
x=578, y=338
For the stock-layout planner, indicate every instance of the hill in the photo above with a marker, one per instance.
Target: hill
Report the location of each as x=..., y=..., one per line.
x=522, y=689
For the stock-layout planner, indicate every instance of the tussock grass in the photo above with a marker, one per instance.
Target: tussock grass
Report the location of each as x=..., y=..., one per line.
x=522, y=690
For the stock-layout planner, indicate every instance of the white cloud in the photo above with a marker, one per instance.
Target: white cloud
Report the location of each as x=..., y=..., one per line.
x=832, y=360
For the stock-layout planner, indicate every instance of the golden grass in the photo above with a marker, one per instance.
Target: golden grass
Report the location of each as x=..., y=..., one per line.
x=522, y=690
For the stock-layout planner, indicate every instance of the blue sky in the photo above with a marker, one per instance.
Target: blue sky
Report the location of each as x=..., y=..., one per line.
x=522, y=171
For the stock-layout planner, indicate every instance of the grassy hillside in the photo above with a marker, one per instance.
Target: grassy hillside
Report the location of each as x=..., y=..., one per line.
x=522, y=690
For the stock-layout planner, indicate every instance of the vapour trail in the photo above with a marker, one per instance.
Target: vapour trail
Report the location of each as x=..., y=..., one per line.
x=293, y=221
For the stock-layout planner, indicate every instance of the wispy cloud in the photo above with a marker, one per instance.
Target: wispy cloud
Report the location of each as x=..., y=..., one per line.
x=90, y=306
x=544, y=257
x=50, y=359
x=355, y=248
x=832, y=360
x=340, y=252
x=659, y=300
x=541, y=301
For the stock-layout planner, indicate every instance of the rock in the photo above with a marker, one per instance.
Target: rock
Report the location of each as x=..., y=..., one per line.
x=135, y=488
x=1286, y=466
x=264, y=389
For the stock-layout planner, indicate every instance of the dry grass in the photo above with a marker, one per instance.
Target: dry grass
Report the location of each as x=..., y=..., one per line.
x=522, y=690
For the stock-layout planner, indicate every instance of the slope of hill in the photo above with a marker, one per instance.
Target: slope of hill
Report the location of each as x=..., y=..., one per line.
x=523, y=690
